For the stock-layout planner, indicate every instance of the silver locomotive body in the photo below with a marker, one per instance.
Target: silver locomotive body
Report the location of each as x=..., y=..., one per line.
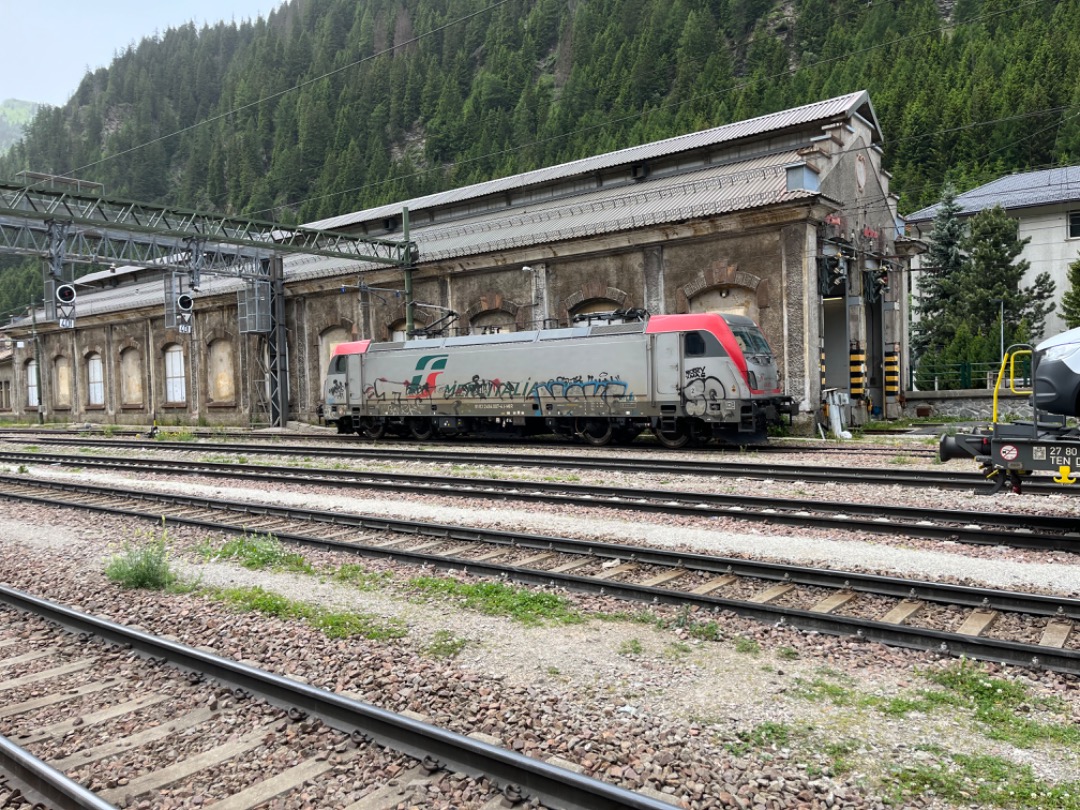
x=675, y=376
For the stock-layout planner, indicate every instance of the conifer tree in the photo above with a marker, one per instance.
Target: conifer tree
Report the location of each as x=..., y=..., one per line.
x=937, y=278
x=993, y=274
x=1070, y=301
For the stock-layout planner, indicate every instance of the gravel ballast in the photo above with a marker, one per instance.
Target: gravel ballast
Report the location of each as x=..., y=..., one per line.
x=765, y=717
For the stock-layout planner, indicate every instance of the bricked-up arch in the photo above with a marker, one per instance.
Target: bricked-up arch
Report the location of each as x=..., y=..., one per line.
x=220, y=372
x=493, y=309
x=131, y=379
x=61, y=381
x=723, y=276
x=593, y=291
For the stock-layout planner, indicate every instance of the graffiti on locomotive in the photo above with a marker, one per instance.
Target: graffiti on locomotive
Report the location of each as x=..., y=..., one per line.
x=682, y=378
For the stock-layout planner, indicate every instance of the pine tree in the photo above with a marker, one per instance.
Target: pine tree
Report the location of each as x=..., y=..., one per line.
x=937, y=278
x=991, y=277
x=1070, y=301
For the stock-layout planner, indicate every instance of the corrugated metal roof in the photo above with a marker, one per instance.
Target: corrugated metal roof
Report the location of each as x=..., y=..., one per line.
x=693, y=193
x=819, y=111
x=702, y=193
x=706, y=192
x=1046, y=187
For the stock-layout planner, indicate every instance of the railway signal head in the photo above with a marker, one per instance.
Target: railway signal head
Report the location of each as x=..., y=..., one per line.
x=184, y=302
x=65, y=294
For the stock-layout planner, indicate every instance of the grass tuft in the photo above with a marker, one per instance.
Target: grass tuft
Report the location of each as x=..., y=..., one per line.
x=444, y=645
x=334, y=624
x=258, y=552
x=143, y=563
x=497, y=599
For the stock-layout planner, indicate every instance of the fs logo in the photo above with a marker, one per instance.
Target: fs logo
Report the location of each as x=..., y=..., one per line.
x=421, y=386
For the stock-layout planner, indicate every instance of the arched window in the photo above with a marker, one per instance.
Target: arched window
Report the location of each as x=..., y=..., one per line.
x=32, y=397
x=95, y=380
x=175, y=382
x=131, y=379
x=221, y=382
x=62, y=382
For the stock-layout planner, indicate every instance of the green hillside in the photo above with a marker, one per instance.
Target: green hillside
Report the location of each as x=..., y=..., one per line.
x=330, y=106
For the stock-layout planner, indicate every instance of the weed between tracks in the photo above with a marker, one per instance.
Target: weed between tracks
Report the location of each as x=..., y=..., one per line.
x=257, y=552
x=497, y=599
x=334, y=624
x=143, y=562
x=999, y=709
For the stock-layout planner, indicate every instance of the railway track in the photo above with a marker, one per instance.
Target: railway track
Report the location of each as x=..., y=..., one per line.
x=1021, y=629
x=1042, y=532
x=897, y=474
x=349, y=442
x=113, y=700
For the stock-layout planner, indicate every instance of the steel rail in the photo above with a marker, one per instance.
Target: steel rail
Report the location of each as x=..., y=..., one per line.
x=1019, y=654
x=112, y=433
x=785, y=472
x=42, y=784
x=1041, y=532
x=552, y=785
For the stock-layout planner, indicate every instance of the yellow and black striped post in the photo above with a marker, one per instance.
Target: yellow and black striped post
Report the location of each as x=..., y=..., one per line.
x=823, y=371
x=858, y=373
x=892, y=374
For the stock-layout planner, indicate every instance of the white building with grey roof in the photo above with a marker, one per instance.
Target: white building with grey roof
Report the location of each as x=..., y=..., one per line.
x=1046, y=206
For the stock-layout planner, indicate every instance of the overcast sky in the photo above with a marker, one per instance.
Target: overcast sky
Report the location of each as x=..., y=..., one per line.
x=50, y=44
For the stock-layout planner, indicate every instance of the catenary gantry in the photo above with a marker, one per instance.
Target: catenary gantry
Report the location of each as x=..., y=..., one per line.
x=66, y=228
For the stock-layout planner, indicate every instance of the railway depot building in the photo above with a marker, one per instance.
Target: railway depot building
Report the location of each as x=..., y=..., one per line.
x=786, y=218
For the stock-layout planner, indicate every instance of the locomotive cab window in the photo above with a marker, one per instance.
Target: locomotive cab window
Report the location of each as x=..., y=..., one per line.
x=694, y=344
x=338, y=366
x=751, y=341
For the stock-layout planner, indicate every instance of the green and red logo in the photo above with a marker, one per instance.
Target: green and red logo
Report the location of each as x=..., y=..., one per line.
x=420, y=386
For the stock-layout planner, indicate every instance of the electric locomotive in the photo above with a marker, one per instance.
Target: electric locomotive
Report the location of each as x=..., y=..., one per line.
x=1010, y=451
x=687, y=378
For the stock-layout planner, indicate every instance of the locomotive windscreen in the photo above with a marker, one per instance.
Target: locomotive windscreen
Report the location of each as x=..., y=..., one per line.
x=750, y=339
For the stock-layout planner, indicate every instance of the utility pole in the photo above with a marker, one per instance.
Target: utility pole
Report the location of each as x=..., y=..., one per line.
x=409, y=326
x=37, y=365
x=1001, y=324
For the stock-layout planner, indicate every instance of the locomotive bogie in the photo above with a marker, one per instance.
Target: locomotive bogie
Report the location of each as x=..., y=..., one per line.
x=597, y=383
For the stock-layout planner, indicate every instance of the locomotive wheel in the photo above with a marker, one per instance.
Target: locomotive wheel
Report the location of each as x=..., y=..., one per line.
x=373, y=428
x=421, y=428
x=672, y=439
x=596, y=432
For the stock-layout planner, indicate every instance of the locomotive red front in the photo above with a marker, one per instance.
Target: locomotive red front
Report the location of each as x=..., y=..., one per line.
x=685, y=377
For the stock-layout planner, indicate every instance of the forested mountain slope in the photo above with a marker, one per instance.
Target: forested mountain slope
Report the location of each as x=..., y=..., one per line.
x=331, y=106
